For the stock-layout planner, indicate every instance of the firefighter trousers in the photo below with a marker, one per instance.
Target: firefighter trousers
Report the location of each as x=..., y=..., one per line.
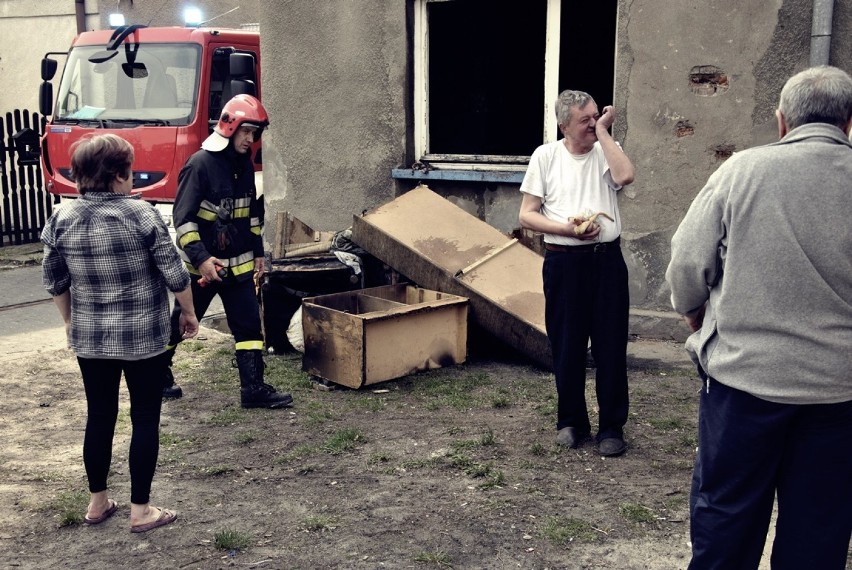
x=241, y=310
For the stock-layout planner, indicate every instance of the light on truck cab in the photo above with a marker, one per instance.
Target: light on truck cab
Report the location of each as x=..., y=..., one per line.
x=192, y=17
x=116, y=20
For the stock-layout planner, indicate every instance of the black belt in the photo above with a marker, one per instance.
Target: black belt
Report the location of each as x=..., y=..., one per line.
x=588, y=248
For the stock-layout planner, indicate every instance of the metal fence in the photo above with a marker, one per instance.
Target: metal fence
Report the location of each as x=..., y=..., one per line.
x=25, y=205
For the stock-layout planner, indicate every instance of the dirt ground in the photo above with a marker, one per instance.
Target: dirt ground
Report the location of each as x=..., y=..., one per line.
x=453, y=468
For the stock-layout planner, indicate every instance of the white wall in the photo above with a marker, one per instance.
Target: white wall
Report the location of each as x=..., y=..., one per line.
x=28, y=30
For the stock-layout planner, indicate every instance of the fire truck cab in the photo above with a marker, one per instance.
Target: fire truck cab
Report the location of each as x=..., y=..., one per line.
x=161, y=89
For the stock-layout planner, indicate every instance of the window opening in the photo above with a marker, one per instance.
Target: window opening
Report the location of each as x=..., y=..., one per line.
x=487, y=74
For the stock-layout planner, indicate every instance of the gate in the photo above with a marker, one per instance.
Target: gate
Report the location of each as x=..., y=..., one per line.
x=25, y=204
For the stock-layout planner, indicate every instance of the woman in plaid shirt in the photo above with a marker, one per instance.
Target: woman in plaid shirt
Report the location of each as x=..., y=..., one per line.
x=109, y=264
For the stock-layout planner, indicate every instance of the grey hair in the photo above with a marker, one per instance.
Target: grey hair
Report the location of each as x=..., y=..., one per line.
x=568, y=99
x=821, y=94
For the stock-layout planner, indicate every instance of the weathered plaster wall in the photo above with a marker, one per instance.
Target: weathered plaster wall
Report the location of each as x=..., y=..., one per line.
x=336, y=81
x=28, y=30
x=679, y=132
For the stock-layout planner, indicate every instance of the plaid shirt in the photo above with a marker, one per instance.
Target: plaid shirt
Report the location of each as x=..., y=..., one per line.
x=115, y=255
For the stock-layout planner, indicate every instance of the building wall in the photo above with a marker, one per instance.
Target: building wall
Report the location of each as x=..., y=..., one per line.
x=694, y=82
x=336, y=85
x=28, y=30
x=680, y=128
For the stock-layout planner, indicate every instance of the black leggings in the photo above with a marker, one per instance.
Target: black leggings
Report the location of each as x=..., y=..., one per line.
x=101, y=379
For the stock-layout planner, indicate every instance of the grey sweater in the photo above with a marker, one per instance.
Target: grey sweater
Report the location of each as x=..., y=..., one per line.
x=768, y=242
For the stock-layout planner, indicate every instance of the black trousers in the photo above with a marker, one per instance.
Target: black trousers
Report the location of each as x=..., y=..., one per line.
x=101, y=379
x=241, y=310
x=586, y=297
x=749, y=451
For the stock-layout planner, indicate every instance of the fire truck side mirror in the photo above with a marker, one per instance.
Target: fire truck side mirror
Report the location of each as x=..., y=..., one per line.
x=45, y=99
x=48, y=68
x=241, y=65
x=243, y=87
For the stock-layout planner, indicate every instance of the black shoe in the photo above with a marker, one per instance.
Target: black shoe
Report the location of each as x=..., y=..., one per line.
x=571, y=437
x=264, y=396
x=171, y=391
x=611, y=446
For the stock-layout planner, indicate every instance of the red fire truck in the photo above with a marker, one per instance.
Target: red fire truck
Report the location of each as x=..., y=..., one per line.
x=161, y=89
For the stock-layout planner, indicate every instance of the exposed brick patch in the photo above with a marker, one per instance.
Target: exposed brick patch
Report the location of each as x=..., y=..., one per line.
x=708, y=80
x=684, y=129
x=724, y=151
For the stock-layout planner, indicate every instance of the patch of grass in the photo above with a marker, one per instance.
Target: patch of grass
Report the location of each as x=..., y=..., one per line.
x=318, y=523
x=230, y=539
x=636, y=513
x=493, y=478
x=217, y=470
x=460, y=460
x=368, y=404
x=438, y=557
x=245, y=437
x=343, y=440
x=420, y=463
x=298, y=452
x=666, y=424
x=48, y=477
x=379, y=457
x=71, y=507
x=287, y=375
x=548, y=408
x=448, y=390
x=500, y=401
x=538, y=449
x=317, y=414
x=485, y=440
x=122, y=421
x=193, y=346
x=171, y=440
x=677, y=502
x=488, y=438
x=689, y=440
x=463, y=444
x=566, y=529
x=228, y=417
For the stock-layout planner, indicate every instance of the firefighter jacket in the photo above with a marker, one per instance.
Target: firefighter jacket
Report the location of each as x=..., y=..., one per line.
x=216, y=212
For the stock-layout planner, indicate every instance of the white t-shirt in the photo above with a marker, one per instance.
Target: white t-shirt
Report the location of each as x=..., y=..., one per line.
x=570, y=185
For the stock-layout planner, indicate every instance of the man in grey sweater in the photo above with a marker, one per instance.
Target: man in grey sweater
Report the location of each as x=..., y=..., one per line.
x=761, y=269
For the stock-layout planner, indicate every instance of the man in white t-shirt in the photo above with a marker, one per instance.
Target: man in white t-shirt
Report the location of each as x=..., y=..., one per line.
x=585, y=277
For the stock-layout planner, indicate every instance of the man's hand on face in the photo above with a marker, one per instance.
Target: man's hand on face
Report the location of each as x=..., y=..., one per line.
x=606, y=119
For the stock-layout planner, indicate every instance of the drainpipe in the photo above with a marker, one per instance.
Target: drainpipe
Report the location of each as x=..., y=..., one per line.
x=821, y=32
x=80, y=11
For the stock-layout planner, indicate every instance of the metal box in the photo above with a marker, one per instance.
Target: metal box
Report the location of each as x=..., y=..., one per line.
x=362, y=337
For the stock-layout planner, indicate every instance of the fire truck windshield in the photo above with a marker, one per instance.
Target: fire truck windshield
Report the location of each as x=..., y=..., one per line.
x=159, y=86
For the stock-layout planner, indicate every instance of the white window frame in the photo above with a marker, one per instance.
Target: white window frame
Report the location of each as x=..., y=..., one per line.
x=421, y=93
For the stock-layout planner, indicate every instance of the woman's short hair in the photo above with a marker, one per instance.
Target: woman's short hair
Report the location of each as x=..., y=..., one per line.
x=97, y=160
x=821, y=94
x=568, y=99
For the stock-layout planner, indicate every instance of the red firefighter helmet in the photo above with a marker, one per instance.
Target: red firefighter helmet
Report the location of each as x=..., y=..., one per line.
x=240, y=110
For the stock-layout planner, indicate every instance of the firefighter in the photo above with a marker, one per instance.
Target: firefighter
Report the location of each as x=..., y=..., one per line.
x=218, y=220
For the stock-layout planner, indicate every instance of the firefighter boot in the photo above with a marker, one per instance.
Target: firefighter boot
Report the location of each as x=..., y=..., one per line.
x=170, y=389
x=254, y=392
